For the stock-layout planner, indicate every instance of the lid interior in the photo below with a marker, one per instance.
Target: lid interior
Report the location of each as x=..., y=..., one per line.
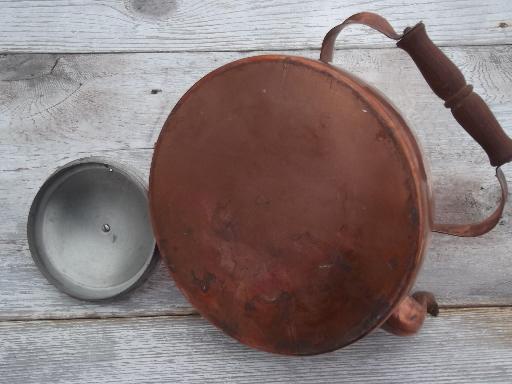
x=90, y=232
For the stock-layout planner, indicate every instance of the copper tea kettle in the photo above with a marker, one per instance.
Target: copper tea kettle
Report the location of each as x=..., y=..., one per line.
x=291, y=201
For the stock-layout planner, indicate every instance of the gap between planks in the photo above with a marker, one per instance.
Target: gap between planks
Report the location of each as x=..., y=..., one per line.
x=443, y=309
x=347, y=47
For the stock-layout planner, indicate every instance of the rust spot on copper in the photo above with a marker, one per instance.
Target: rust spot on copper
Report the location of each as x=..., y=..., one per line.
x=414, y=216
x=281, y=297
x=223, y=222
x=340, y=259
x=262, y=201
x=249, y=306
x=188, y=231
x=392, y=264
x=381, y=135
x=273, y=250
x=205, y=282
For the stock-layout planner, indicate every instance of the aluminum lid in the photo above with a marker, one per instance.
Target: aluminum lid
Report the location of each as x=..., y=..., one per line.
x=89, y=230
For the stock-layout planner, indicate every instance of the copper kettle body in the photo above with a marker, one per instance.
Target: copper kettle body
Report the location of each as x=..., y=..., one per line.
x=291, y=200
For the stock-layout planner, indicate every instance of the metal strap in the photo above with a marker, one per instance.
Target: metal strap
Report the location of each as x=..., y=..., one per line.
x=477, y=229
x=369, y=19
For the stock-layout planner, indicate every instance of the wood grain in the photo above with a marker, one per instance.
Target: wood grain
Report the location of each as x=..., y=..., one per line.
x=50, y=104
x=459, y=271
x=115, y=114
x=58, y=107
x=234, y=25
x=462, y=346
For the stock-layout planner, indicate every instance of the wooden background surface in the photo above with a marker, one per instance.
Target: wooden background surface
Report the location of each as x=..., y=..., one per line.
x=76, y=79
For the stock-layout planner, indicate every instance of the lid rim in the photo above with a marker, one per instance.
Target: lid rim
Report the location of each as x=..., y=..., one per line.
x=67, y=285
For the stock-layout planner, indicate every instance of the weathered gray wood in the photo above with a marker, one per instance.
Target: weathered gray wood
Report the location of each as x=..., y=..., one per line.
x=114, y=114
x=26, y=294
x=156, y=25
x=55, y=108
x=79, y=103
x=462, y=346
x=460, y=271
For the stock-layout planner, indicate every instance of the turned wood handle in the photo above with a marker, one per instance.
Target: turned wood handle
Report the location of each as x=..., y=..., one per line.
x=444, y=78
x=447, y=82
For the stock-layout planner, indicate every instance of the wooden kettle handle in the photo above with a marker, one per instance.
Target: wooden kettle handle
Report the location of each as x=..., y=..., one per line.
x=447, y=82
x=443, y=77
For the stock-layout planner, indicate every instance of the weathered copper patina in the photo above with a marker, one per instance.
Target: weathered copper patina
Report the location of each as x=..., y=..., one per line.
x=291, y=202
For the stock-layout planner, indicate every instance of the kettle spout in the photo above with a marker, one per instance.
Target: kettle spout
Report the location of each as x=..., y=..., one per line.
x=409, y=315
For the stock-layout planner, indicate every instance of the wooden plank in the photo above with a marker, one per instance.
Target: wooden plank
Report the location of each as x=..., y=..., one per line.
x=462, y=346
x=114, y=113
x=157, y=25
x=26, y=294
x=459, y=271
x=54, y=109
x=58, y=104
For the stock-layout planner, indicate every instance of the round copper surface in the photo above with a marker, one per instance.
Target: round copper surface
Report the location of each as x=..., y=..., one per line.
x=290, y=203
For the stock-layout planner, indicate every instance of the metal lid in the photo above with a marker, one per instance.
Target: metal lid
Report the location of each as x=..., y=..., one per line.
x=89, y=230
